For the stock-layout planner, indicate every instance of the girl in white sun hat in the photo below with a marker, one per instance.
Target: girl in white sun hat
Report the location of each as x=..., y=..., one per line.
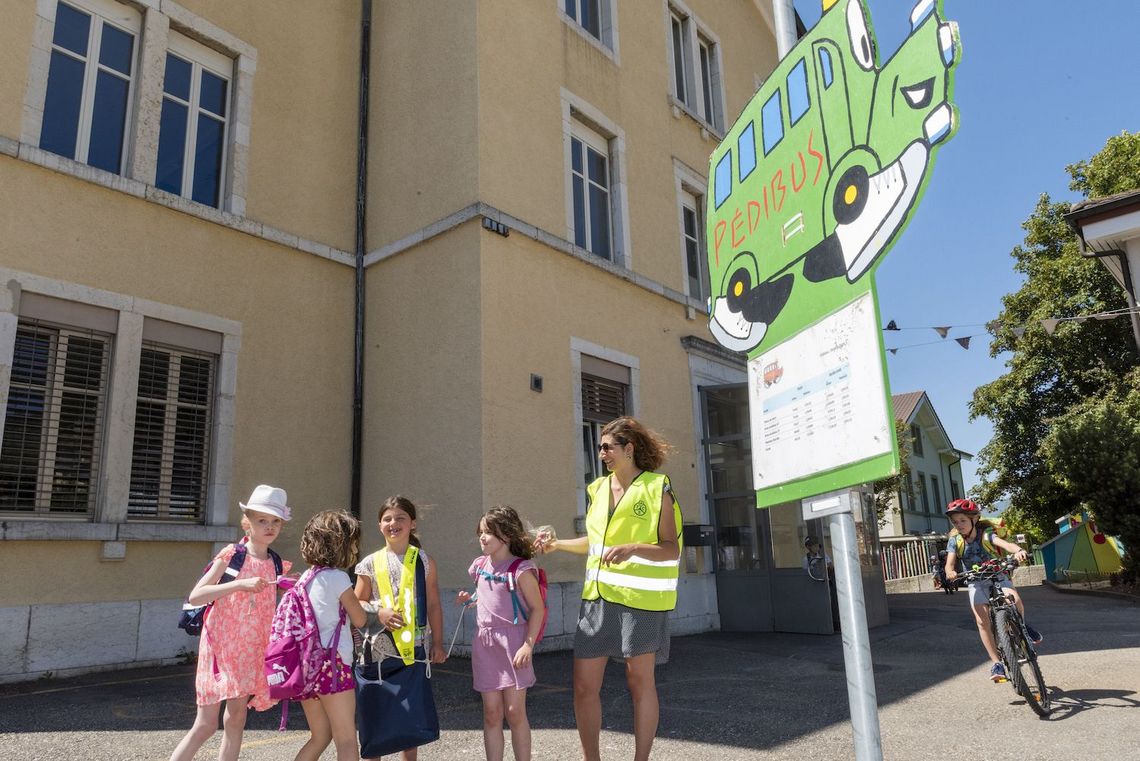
x=231, y=655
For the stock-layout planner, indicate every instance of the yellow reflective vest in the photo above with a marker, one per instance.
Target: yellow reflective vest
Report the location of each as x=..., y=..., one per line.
x=637, y=582
x=403, y=600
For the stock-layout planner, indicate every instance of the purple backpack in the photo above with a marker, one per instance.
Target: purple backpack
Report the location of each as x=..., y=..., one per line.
x=295, y=656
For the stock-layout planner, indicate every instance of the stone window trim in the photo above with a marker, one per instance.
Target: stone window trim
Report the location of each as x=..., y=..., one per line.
x=577, y=113
x=161, y=20
x=608, y=44
x=696, y=33
x=687, y=180
x=578, y=347
x=133, y=316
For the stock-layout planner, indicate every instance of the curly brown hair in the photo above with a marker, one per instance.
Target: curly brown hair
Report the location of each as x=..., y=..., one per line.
x=331, y=539
x=649, y=447
x=504, y=522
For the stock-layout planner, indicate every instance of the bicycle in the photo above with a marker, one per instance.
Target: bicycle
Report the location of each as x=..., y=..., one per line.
x=1017, y=652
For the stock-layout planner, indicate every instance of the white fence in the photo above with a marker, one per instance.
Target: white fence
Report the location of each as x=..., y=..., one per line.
x=909, y=556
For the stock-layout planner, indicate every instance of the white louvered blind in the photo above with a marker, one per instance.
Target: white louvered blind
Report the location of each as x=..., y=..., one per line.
x=171, y=459
x=53, y=430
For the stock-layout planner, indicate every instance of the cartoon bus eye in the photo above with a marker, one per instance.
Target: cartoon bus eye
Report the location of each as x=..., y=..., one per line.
x=738, y=286
x=860, y=38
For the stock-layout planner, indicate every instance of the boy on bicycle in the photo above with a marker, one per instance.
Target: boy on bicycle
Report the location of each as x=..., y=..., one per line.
x=975, y=540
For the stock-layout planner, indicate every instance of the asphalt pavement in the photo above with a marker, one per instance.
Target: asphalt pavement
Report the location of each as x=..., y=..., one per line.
x=723, y=696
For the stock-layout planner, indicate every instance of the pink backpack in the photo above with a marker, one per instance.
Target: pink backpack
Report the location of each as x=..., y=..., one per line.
x=295, y=657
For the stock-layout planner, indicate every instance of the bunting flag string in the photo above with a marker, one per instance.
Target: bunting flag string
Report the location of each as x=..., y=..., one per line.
x=1049, y=324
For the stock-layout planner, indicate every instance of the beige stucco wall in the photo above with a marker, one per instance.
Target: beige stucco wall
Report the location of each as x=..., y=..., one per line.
x=294, y=380
x=424, y=100
x=302, y=155
x=15, y=49
x=521, y=155
x=424, y=400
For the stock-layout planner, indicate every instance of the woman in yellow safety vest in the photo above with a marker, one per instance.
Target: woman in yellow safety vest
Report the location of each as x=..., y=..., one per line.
x=632, y=548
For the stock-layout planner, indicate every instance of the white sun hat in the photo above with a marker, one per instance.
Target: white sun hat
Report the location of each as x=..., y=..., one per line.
x=268, y=499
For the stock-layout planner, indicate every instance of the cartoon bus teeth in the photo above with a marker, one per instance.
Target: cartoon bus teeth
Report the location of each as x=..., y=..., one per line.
x=823, y=169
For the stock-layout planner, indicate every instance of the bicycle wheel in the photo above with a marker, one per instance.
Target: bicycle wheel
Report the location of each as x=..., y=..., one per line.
x=1005, y=628
x=1033, y=687
x=1023, y=670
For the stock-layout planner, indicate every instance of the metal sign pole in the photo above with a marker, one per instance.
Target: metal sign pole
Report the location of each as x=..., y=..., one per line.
x=852, y=617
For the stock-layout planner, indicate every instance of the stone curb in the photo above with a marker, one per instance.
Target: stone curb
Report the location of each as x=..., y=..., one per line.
x=1094, y=592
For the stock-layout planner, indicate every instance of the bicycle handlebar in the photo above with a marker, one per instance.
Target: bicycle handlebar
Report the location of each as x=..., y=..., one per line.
x=989, y=570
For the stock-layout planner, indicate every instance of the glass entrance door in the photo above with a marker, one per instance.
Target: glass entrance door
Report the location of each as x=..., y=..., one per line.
x=741, y=560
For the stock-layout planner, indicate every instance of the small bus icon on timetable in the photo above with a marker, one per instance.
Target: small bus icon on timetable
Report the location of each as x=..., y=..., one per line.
x=772, y=374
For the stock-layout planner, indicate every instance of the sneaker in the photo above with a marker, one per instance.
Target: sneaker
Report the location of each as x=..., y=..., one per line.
x=1034, y=635
x=997, y=673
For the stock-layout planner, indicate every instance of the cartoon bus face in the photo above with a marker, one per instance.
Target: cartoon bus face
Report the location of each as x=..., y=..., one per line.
x=823, y=170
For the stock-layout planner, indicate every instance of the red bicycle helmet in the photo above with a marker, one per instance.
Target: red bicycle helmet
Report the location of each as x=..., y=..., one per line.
x=966, y=506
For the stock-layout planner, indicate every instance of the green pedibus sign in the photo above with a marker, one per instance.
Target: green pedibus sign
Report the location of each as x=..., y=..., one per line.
x=812, y=184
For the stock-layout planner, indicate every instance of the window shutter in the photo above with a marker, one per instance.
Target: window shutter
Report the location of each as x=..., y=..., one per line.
x=602, y=399
x=53, y=431
x=170, y=461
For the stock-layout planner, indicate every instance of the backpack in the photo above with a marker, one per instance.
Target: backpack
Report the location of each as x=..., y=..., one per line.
x=512, y=575
x=193, y=617
x=295, y=656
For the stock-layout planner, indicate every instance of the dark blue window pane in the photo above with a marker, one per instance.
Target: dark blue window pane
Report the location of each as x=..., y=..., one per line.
x=171, y=146
x=596, y=163
x=591, y=18
x=61, y=106
x=213, y=95
x=208, y=160
x=108, y=122
x=772, y=122
x=72, y=29
x=599, y=222
x=798, y=98
x=576, y=154
x=746, y=151
x=115, y=52
x=177, y=78
x=722, y=187
x=31, y=358
x=579, y=213
x=571, y=8
x=825, y=67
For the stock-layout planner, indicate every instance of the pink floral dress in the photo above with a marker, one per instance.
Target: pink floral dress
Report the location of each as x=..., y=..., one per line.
x=231, y=654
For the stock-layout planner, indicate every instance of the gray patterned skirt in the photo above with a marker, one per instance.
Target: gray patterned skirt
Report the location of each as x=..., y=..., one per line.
x=611, y=630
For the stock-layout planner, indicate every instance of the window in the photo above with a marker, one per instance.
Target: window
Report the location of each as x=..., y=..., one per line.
x=923, y=492
x=170, y=458
x=723, y=179
x=605, y=396
x=798, y=99
x=695, y=70
x=955, y=490
x=772, y=122
x=590, y=185
x=89, y=83
x=193, y=125
x=746, y=151
x=53, y=430
x=825, y=67
x=594, y=17
x=692, y=236
x=916, y=439
x=935, y=494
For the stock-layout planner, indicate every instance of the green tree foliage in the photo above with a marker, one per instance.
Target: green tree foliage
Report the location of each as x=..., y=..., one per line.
x=1094, y=451
x=1047, y=375
x=886, y=489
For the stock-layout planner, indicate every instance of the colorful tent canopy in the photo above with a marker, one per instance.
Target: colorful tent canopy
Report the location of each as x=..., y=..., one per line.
x=1080, y=550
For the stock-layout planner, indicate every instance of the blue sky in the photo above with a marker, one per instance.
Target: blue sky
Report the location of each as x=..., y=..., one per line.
x=1040, y=85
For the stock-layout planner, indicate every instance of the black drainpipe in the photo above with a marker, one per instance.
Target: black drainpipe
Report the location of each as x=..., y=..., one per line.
x=361, y=208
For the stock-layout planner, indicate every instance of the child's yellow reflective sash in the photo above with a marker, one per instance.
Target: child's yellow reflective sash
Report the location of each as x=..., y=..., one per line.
x=404, y=602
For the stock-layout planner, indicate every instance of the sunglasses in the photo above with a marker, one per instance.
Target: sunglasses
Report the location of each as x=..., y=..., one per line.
x=611, y=447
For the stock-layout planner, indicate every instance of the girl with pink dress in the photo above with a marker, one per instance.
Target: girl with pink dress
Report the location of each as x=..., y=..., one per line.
x=502, y=649
x=231, y=655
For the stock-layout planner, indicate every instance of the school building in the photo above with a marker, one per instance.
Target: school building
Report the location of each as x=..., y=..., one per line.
x=204, y=278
